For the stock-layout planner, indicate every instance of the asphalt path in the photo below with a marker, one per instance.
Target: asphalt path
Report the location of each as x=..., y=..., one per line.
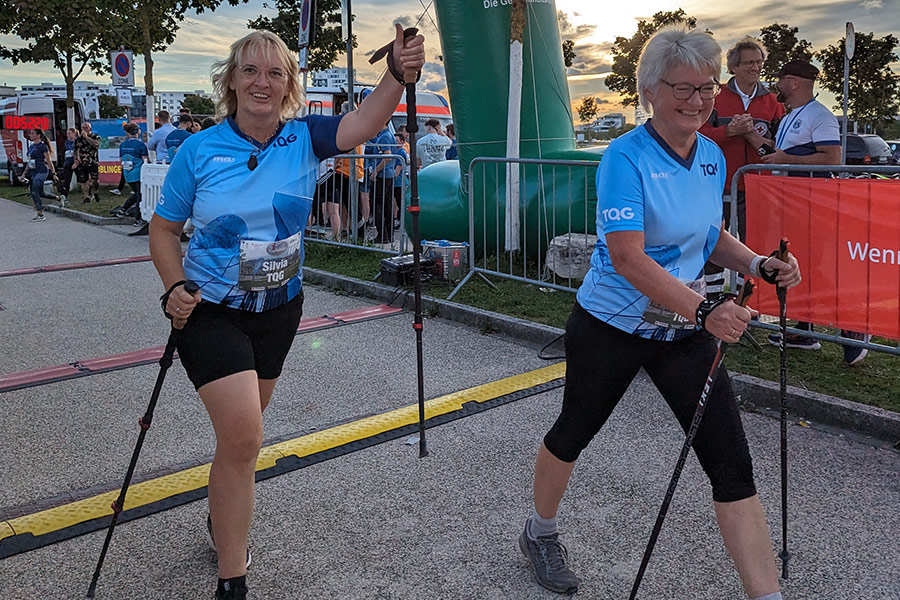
x=382, y=523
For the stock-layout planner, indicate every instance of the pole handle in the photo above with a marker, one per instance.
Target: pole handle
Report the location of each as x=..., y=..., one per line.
x=191, y=288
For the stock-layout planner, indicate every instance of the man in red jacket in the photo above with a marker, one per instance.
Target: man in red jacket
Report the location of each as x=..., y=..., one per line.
x=744, y=119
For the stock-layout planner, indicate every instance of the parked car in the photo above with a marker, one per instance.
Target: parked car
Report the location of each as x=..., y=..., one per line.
x=867, y=149
x=894, y=145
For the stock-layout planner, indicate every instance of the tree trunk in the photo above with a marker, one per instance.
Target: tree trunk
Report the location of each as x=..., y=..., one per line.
x=147, y=45
x=70, y=92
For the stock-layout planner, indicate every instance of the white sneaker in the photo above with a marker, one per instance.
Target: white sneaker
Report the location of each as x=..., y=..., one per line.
x=116, y=192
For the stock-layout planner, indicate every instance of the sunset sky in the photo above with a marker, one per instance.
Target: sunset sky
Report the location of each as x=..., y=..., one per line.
x=592, y=24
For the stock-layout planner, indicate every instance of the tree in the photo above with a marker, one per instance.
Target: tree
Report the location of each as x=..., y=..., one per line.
x=626, y=52
x=66, y=33
x=782, y=45
x=198, y=105
x=568, y=50
x=328, y=41
x=874, y=89
x=588, y=109
x=148, y=26
x=109, y=107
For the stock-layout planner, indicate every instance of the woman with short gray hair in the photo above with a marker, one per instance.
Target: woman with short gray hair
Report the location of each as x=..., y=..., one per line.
x=659, y=218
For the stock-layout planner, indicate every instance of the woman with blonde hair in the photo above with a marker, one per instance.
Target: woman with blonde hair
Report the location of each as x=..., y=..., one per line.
x=247, y=185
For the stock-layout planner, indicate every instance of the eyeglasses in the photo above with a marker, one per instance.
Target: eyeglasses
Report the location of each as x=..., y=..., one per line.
x=683, y=91
x=251, y=72
x=750, y=63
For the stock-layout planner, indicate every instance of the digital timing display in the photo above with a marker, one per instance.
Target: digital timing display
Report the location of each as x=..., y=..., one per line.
x=26, y=122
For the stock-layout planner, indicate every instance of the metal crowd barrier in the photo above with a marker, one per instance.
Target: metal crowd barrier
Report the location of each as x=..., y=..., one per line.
x=557, y=212
x=366, y=214
x=842, y=171
x=327, y=197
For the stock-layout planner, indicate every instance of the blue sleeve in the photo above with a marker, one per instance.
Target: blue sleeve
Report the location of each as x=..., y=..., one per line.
x=155, y=139
x=144, y=152
x=323, y=134
x=620, y=193
x=176, y=202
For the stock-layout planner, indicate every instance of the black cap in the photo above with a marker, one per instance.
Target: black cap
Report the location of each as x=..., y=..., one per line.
x=798, y=68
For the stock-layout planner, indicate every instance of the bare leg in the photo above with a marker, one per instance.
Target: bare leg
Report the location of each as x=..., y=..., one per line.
x=744, y=530
x=334, y=217
x=266, y=387
x=234, y=406
x=551, y=476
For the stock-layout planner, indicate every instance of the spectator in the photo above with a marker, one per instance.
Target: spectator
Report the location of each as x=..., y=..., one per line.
x=183, y=113
x=40, y=165
x=452, y=152
x=177, y=137
x=157, y=141
x=339, y=206
x=399, y=168
x=86, y=163
x=405, y=135
x=743, y=120
x=196, y=125
x=133, y=153
x=207, y=122
x=68, y=158
x=808, y=135
x=382, y=186
x=117, y=191
x=432, y=147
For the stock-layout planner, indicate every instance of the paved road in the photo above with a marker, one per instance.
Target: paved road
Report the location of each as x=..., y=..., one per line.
x=381, y=523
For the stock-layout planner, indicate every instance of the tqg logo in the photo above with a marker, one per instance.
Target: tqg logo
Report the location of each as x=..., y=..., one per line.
x=614, y=214
x=709, y=168
x=282, y=141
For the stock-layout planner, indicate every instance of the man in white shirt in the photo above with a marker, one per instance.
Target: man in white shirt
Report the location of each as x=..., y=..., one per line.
x=157, y=142
x=432, y=147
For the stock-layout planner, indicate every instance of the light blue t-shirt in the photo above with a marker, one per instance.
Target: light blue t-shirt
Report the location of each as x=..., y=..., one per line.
x=157, y=142
x=643, y=185
x=174, y=141
x=247, y=244
x=132, y=153
x=399, y=166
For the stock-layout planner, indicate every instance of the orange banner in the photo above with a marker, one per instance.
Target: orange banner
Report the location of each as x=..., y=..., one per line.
x=845, y=234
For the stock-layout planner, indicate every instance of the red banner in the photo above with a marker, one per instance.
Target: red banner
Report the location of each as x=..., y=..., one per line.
x=845, y=234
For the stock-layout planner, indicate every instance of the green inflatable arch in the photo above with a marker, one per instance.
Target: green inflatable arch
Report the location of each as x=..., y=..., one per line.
x=476, y=45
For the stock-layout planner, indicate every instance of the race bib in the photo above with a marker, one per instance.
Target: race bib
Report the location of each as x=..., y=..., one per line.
x=267, y=265
x=70, y=153
x=30, y=163
x=127, y=165
x=660, y=316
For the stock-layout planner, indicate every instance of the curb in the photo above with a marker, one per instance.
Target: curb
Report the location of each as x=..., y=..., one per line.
x=77, y=215
x=753, y=392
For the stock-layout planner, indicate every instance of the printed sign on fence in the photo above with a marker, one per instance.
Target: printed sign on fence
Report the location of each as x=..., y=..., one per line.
x=845, y=234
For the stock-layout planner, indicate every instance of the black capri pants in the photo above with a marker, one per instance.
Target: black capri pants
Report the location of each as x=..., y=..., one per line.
x=218, y=341
x=602, y=361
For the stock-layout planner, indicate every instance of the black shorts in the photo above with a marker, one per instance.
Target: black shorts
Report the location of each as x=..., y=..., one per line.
x=84, y=172
x=218, y=341
x=601, y=362
x=341, y=191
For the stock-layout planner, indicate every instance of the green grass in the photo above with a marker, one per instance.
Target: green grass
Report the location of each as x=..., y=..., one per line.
x=107, y=202
x=875, y=381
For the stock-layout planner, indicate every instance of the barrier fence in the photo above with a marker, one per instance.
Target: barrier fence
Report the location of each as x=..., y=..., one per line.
x=531, y=220
x=844, y=232
x=338, y=203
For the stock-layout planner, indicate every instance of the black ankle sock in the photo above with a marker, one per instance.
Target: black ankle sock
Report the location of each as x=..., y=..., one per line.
x=231, y=583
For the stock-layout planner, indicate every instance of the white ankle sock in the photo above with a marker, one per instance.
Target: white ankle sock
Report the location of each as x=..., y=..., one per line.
x=775, y=596
x=537, y=526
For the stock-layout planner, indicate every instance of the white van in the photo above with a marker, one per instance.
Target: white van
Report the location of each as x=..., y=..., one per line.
x=33, y=111
x=328, y=101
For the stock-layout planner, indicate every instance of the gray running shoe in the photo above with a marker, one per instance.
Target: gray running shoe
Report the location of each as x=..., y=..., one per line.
x=550, y=560
x=212, y=542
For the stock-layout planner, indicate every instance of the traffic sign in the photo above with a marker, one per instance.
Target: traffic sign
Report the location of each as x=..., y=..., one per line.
x=123, y=95
x=122, y=71
x=307, y=23
x=850, y=40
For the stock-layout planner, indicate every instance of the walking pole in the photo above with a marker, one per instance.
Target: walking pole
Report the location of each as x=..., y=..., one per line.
x=721, y=346
x=165, y=362
x=784, y=555
x=409, y=76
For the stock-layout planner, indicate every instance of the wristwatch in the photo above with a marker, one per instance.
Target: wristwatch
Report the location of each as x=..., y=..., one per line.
x=706, y=307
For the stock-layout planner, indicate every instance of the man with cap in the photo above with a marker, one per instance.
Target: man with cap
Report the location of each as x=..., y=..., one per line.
x=808, y=135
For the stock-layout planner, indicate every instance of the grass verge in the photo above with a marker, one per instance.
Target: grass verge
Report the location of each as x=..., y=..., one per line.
x=875, y=381
x=108, y=201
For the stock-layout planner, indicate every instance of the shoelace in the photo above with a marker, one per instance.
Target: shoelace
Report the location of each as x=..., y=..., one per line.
x=553, y=552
